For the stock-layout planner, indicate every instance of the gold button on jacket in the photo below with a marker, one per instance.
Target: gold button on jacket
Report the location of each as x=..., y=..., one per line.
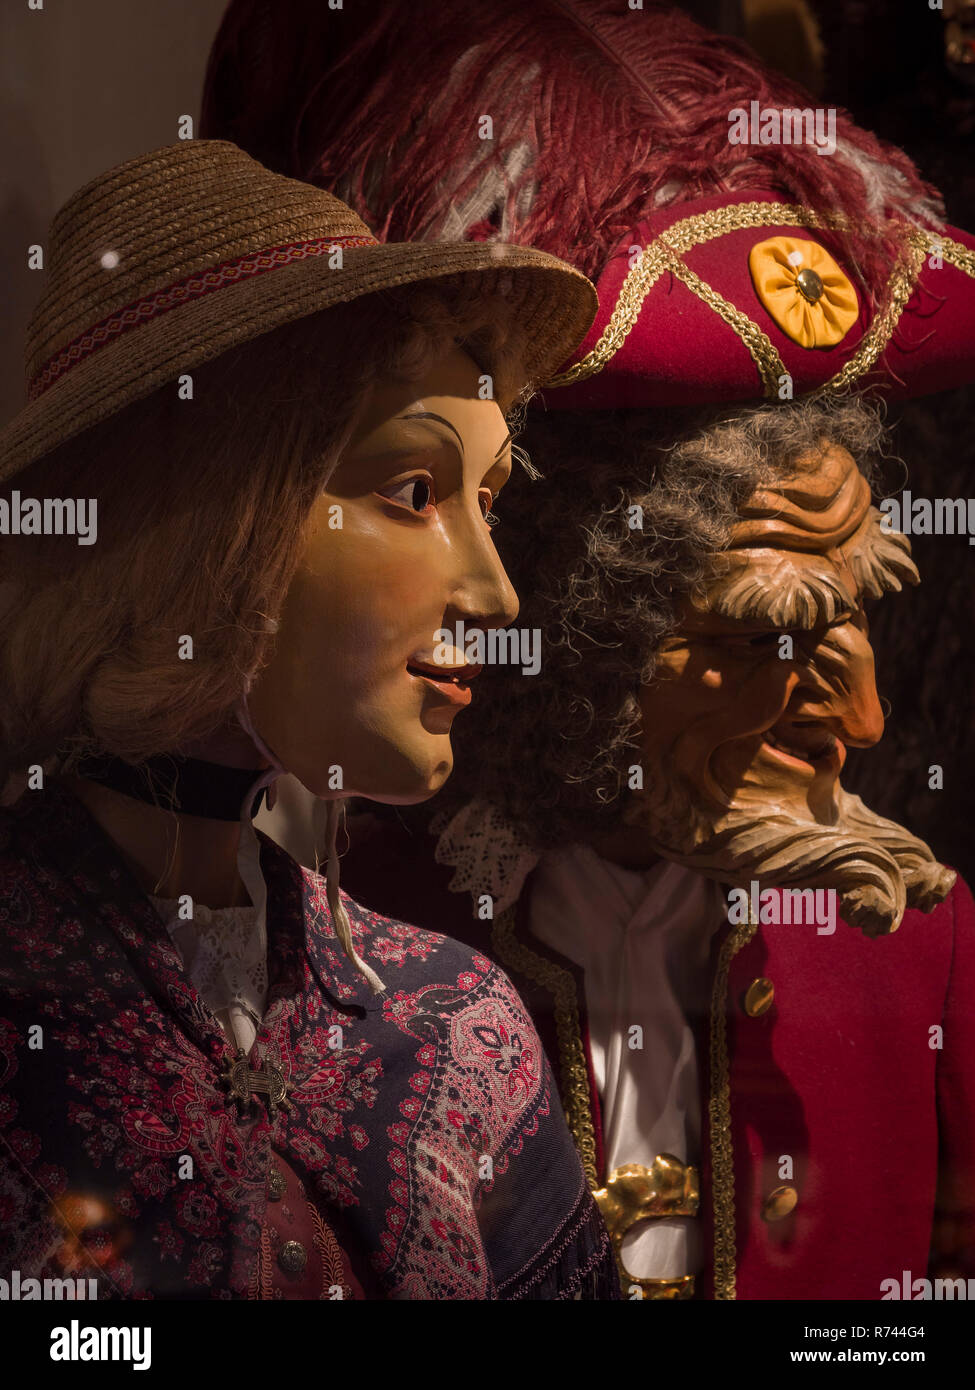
x=292, y=1257
x=758, y=997
x=779, y=1203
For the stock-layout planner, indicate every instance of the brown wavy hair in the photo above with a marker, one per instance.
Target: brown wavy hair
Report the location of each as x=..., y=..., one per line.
x=201, y=507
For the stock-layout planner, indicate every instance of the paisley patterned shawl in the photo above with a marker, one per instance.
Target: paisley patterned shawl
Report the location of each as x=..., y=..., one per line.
x=424, y=1121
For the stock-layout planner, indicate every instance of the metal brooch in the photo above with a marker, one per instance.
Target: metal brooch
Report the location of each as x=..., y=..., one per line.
x=242, y=1080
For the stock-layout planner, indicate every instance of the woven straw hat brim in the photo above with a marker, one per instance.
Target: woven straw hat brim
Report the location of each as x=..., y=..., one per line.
x=554, y=304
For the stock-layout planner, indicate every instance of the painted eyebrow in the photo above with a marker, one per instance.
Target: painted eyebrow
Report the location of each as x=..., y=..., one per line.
x=429, y=415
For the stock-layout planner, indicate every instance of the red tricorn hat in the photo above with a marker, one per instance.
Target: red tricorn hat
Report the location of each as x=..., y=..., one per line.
x=610, y=137
x=740, y=296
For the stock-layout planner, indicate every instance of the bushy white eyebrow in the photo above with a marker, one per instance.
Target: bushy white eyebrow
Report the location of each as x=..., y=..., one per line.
x=788, y=597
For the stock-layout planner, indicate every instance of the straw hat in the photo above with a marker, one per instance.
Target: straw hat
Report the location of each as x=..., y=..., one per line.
x=167, y=261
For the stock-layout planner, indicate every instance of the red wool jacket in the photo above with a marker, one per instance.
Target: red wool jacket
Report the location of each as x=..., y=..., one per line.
x=855, y=1087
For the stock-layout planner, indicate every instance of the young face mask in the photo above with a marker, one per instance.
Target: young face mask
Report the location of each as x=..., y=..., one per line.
x=352, y=701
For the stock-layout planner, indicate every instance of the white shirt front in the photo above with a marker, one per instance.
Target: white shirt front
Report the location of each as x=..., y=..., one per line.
x=643, y=941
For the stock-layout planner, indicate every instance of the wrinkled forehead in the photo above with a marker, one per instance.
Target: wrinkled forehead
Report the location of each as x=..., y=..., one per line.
x=816, y=507
x=809, y=548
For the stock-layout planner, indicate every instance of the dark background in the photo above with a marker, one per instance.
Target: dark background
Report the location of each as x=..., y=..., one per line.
x=885, y=62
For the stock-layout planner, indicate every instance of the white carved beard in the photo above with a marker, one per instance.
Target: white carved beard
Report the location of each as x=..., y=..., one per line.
x=877, y=868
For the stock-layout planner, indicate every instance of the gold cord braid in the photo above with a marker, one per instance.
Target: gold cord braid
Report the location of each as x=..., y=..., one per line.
x=693, y=231
x=515, y=955
x=653, y=261
x=900, y=287
x=952, y=251
x=767, y=360
x=719, y=1114
x=655, y=258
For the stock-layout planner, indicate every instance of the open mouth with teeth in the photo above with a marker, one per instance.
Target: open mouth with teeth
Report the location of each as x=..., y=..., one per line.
x=808, y=744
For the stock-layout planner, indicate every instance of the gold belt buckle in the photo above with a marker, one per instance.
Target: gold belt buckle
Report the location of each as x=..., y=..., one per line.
x=635, y=1193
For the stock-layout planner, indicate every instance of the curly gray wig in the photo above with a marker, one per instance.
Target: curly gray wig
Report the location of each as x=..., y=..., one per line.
x=551, y=751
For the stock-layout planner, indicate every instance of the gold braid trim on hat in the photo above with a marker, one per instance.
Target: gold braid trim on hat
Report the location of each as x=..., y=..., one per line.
x=657, y=257
x=665, y=251
x=953, y=252
x=770, y=365
x=900, y=287
x=653, y=261
x=516, y=955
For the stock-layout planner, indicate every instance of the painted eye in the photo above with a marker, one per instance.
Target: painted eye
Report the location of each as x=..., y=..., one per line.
x=415, y=493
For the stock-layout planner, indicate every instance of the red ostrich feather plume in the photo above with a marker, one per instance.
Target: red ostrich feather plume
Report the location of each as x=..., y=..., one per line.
x=600, y=113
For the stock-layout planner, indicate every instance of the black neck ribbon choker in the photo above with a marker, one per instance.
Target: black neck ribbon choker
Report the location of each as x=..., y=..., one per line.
x=189, y=786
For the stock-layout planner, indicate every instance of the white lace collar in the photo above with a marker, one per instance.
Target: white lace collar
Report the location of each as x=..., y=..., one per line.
x=488, y=854
x=224, y=950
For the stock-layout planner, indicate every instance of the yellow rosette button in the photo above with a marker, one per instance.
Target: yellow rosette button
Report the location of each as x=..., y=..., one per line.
x=804, y=290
